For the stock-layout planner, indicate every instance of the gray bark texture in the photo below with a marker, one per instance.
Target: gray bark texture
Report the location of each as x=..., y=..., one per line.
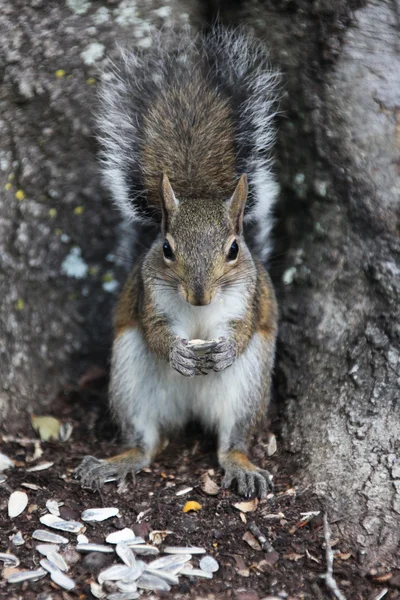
x=57, y=226
x=337, y=374
x=338, y=366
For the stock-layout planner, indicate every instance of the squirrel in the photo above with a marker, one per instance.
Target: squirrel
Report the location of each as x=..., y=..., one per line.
x=186, y=130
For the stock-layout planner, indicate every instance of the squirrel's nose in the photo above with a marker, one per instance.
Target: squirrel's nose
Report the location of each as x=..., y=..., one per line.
x=198, y=298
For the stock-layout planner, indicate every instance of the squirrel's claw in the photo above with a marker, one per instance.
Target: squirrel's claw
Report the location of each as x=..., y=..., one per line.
x=222, y=355
x=183, y=359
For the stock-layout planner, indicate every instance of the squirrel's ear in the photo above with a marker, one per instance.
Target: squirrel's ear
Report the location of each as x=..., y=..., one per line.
x=238, y=202
x=169, y=202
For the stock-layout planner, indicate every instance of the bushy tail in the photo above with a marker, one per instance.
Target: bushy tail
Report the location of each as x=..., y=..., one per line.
x=238, y=67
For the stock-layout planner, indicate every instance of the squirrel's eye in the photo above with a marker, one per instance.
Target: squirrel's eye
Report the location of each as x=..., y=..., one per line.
x=233, y=251
x=169, y=255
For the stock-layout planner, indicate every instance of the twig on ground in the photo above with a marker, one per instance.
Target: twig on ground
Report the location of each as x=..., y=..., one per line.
x=329, y=579
x=265, y=544
x=381, y=594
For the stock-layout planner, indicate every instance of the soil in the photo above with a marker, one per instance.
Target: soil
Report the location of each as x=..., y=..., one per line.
x=293, y=571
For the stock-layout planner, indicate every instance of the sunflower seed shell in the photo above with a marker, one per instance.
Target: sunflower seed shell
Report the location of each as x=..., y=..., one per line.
x=49, y=537
x=99, y=514
x=26, y=575
x=17, y=504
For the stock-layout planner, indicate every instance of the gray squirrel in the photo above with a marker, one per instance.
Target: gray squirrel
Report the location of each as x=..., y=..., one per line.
x=185, y=130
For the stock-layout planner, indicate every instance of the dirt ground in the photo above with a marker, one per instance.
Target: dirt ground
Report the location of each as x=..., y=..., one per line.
x=292, y=571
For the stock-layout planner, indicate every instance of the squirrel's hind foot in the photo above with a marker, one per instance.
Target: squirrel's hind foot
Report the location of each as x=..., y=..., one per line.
x=94, y=472
x=250, y=480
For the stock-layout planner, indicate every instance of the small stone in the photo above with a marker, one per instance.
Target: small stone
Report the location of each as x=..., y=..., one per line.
x=94, y=548
x=16, y=504
x=209, y=564
x=49, y=537
x=148, y=581
x=99, y=514
x=184, y=550
x=26, y=576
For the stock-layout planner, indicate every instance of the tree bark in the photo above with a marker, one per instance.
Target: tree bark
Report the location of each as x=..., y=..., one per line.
x=57, y=226
x=338, y=366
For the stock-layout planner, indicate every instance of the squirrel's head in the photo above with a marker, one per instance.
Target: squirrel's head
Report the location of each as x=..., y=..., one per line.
x=202, y=251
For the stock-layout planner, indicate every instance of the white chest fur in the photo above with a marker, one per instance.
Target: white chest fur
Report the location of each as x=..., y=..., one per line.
x=202, y=322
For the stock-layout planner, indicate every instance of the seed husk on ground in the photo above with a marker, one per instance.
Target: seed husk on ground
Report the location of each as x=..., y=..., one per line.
x=62, y=580
x=152, y=582
x=52, y=507
x=114, y=573
x=123, y=535
x=99, y=514
x=18, y=539
x=9, y=560
x=168, y=577
x=44, y=549
x=49, y=537
x=125, y=554
x=209, y=564
x=123, y=596
x=26, y=575
x=58, y=560
x=196, y=573
x=143, y=549
x=94, y=548
x=165, y=562
x=184, y=550
x=40, y=467
x=17, y=503
x=57, y=523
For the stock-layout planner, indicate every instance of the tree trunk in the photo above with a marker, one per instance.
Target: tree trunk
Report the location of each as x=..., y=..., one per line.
x=338, y=367
x=57, y=227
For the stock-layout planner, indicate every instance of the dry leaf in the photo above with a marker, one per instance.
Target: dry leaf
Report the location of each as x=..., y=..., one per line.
x=247, y=507
x=343, y=555
x=157, y=536
x=191, y=505
x=249, y=538
x=243, y=517
x=47, y=428
x=383, y=578
x=208, y=485
x=293, y=556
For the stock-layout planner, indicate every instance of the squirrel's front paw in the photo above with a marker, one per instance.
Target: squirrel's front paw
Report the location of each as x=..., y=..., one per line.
x=183, y=359
x=222, y=355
